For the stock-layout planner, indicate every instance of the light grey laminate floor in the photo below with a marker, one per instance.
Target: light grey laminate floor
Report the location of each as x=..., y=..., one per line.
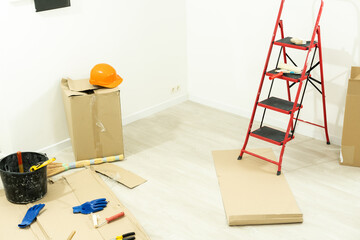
x=181, y=199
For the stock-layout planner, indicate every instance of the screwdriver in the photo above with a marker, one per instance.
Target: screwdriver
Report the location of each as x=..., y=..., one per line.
x=125, y=236
x=112, y=218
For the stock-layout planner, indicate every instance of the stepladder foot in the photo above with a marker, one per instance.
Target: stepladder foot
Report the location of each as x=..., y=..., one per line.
x=328, y=143
x=240, y=157
x=278, y=173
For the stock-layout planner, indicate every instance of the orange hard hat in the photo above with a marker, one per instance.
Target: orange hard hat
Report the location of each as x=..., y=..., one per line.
x=104, y=75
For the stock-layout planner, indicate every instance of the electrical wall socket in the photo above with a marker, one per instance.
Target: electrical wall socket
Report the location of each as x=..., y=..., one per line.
x=175, y=89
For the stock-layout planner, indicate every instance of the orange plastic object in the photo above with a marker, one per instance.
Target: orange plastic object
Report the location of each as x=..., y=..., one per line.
x=276, y=75
x=19, y=157
x=104, y=75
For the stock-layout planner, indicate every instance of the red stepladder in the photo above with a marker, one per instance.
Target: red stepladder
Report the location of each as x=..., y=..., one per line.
x=289, y=106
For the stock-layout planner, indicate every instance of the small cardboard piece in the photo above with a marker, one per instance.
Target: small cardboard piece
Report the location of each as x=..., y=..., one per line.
x=94, y=119
x=252, y=193
x=57, y=221
x=119, y=174
x=350, y=144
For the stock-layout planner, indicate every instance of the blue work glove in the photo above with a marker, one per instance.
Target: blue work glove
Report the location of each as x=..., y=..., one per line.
x=90, y=207
x=31, y=215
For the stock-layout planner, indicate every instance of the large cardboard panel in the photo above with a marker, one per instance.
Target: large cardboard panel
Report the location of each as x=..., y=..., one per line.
x=350, y=144
x=252, y=193
x=94, y=119
x=119, y=174
x=57, y=221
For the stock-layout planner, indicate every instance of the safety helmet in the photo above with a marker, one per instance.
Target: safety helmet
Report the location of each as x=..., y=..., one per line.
x=104, y=75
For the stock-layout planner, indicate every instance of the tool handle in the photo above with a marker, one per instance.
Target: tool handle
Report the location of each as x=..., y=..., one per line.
x=40, y=165
x=116, y=216
x=129, y=238
x=128, y=234
x=19, y=157
x=83, y=163
x=276, y=75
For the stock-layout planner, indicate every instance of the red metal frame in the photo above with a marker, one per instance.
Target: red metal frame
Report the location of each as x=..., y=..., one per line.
x=289, y=128
x=281, y=25
x=311, y=123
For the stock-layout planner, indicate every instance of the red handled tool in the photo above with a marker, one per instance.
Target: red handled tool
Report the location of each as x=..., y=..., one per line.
x=276, y=75
x=112, y=218
x=19, y=157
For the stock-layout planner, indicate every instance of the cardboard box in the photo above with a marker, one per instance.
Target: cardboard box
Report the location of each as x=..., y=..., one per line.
x=350, y=143
x=94, y=119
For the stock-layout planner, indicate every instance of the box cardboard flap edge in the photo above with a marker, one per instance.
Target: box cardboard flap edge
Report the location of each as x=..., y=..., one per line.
x=79, y=87
x=355, y=73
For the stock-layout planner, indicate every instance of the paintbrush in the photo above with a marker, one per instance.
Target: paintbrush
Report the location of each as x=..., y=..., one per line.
x=55, y=168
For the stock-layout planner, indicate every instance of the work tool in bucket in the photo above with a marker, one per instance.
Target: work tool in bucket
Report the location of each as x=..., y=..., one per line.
x=294, y=77
x=55, y=168
x=20, y=163
x=40, y=165
x=25, y=187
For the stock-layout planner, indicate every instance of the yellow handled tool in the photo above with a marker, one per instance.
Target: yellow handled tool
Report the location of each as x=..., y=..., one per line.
x=40, y=165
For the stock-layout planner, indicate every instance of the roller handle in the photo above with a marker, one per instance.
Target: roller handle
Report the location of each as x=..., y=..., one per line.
x=116, y=216
x=20, y=163
x=95, y=161
x=276, y=75
x=128, y=234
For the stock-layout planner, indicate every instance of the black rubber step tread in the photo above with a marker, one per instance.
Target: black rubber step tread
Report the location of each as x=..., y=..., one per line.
x=287, y=41
x=270, y=133
x=288, y=75
x=279, y=103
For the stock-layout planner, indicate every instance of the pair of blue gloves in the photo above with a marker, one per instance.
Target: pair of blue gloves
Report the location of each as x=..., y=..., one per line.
x=85, y=208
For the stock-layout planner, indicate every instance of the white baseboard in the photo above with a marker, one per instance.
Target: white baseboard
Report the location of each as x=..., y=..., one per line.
x=54, y=148
x=303, y=129
x=154, y=109
x=221, y=106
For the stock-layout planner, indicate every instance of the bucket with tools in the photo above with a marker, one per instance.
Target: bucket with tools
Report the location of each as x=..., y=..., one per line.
x=23, y=181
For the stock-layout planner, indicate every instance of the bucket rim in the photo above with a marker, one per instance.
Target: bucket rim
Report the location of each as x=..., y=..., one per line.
x=24, y=173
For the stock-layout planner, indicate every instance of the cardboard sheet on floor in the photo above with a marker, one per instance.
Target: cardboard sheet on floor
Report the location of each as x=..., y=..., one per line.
x=252, y=193
x=56, y=220
x=119, y=174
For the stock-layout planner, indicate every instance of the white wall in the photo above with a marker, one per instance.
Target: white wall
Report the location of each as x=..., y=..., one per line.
x=228, y=42
x=145, y=41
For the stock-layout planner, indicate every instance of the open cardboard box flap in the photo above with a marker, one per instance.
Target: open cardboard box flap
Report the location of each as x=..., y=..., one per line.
x=57, y=221
x=80, y=86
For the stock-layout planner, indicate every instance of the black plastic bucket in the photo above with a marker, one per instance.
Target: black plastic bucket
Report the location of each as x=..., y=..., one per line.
x=23, y=187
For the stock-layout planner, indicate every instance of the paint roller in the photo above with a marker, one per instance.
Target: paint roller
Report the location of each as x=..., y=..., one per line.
x=286, y=68
x=297, y=41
